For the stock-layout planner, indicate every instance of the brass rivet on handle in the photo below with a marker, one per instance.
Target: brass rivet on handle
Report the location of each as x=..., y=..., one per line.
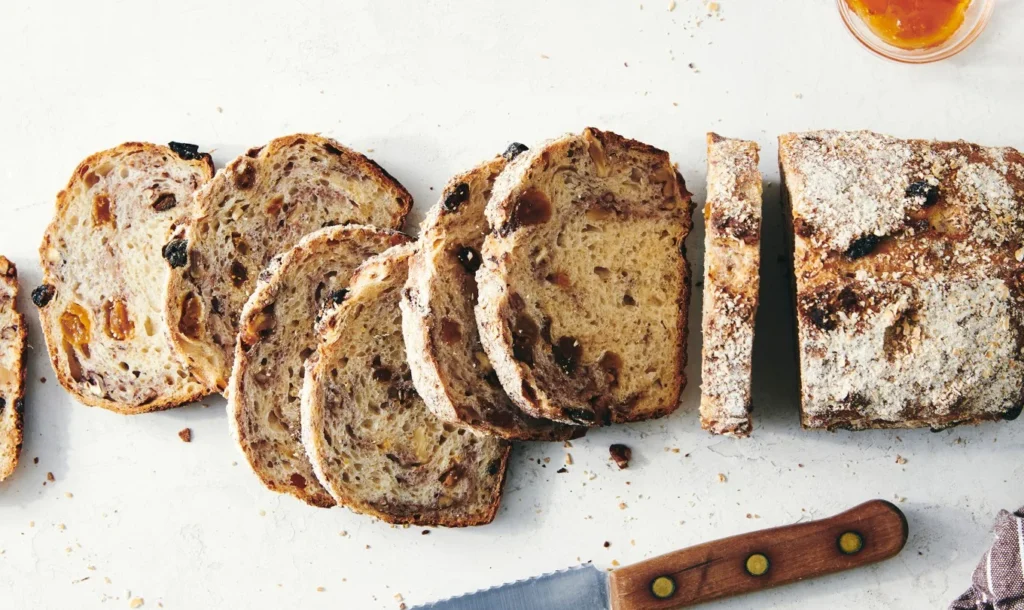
x=663, y=587
x=757, y=564
x=850, y=543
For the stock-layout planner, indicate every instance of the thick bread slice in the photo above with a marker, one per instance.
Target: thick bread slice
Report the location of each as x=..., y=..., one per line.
x=101, y=301
x=907, y=260
x=373, y=443
x=449, y=367
x=258, y=206
x=732, y=256
x=276, y=338
x=13, y=336
x=584, y=285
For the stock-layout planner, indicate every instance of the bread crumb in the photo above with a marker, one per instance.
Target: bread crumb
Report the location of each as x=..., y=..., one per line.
x=901, y=460
x=615, y=562
x=632, y=542
x=61, y=527
x=185, y=434
x=547, y=460
x=622, y=506
x=49, y=477
x=137, y=602
x=398, y=597
x=425, y=533
x=798, y=96
x=68, y=494
x=91, y=568
x=567, y=445
x=607, y=544
x=320, y=589
x=31, y=523
x=713, y=7
x=343, y=533
x=543, y=56
x=675, y=450
x=219, y=109
x=722, y=478
x=263, y=513
x=671, y=5
x=621, y=455
x=568, y=459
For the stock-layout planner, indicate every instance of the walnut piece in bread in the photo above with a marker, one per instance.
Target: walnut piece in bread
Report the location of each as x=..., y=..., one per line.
x=732, y=256
x=259, y=206
x=449, y=368
x=373, y=443
x=100, y=303
x=276, y=337
x=909, y=281
x=12, y=369
x=584, y=285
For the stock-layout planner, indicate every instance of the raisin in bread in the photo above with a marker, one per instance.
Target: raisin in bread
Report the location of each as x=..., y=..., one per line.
x=732, y=255
x=12, y=369
x=449, y=367
x=258, y=206
x=276, y=338
x=101, y=303
x=584, y=286
x=909, y=281
x=373, y=443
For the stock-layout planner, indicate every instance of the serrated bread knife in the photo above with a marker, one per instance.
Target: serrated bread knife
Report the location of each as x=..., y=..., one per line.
x=863, y=535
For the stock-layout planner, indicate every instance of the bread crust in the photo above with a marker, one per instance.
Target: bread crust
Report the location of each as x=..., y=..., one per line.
x=907, y=258
x=261, y=194
x=447, y=361
x=13, y=343
x=422, y=492
x=604, y=182
x=293, y=289
x=55, y=252
x=732, y=242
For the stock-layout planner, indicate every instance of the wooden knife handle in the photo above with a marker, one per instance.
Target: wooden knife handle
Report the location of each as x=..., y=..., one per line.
x=865, y=534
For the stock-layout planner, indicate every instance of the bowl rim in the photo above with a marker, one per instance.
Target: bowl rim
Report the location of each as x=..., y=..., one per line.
x=938, y=53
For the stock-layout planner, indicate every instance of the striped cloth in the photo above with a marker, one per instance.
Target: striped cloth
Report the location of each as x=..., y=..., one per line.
x=998, y=582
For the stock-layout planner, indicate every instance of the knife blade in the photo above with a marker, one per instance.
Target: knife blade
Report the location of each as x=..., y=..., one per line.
x=865, y=534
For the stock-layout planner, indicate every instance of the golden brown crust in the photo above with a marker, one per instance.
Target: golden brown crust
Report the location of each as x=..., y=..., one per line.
x=908, y=271
x=15, y=340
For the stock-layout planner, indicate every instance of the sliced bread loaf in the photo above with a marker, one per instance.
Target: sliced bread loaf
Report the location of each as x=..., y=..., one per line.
x=907, y=263
x=276, y=338
x=449, y=367
x=373, y=443
x=732, y=256
x=584, y=285
x=12, y=369
x=258, y=206
x=101, y=302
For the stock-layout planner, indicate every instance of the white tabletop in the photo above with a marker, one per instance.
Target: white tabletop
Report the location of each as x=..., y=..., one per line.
x=429, y=89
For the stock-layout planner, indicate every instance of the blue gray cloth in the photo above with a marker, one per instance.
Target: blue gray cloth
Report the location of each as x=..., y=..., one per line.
x=998, y=581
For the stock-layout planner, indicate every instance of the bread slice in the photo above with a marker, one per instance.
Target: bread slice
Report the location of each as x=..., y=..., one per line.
x=276, y=338
x=907, y=260
x=584, y=285
x=258, y=206
x=732, y=256
x=12, y=369
x=373, y=443
x=101, y=303
x=449, y=367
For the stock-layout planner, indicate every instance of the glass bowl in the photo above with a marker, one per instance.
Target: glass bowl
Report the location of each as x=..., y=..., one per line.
x=977, y=17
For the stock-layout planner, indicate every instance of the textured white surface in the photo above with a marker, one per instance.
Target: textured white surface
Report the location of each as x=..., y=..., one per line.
x=432, y=88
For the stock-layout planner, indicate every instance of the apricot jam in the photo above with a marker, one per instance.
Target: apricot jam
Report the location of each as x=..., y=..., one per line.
x=912, y=24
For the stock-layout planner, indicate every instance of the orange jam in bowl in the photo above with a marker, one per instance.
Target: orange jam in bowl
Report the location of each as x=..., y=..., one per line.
x=916, y=31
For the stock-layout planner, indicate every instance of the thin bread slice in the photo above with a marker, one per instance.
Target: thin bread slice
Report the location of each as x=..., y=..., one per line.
x=449, y=367
x=584, y=285
x=276, y=338
x=101, y=303
x=258, y=206
x=732, y=255
x=13, y=341
x=909, y=280
x=373, y=443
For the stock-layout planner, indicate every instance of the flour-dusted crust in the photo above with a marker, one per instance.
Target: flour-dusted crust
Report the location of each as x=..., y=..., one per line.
x=13, y=342
x=449, y=368
x=584, y=285
x=258, y=206
x=909, y=279
x=372, y=442
x=732, y=255
x=101, y=301
x=276, y=337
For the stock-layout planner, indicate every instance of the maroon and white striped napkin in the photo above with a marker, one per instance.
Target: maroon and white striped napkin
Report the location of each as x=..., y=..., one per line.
x=998, y=581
